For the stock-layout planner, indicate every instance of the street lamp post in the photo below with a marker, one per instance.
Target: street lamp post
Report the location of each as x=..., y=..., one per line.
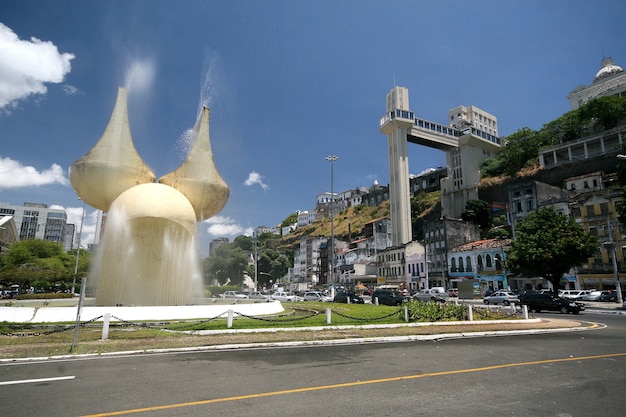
x=80, y=232
x=332, y=159
x=611, y=245
x=256, y=263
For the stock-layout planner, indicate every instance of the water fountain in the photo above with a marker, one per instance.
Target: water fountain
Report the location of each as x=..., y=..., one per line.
x=148, y=256
x=147, y=266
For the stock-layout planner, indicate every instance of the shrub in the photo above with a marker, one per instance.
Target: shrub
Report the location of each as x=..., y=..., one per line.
x=429, y=312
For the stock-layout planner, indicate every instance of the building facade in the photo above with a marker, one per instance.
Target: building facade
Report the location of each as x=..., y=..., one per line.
x=609, y=80
x=38, y=221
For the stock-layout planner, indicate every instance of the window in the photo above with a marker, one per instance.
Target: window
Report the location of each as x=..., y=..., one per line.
x=488, y=261
x=453, y=264
x=604, y=209
x=590, y=210
x=461, y=264
x=498, y=262
x=468, y=264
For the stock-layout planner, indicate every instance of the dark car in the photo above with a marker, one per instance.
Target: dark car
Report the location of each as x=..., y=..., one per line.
x=389, y=297
x=342, y=297
x=610, y=296
x=547, y=301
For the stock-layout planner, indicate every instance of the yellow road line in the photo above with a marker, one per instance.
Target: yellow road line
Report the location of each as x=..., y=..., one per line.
x=351, y=384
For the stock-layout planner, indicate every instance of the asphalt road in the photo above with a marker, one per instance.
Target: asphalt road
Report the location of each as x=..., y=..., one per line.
x=561, y=374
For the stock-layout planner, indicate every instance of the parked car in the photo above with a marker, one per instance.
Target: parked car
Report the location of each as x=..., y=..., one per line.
x=612, y=296
x=504, y=297
x=234, y=294
x=594, y=295
x=453, y=292
x=283, y=296
x=316, y=296
x=257, y=295
x=437, y=294
x=389, y=297
x=548, y=301
x=573, y=294
x=343, y=297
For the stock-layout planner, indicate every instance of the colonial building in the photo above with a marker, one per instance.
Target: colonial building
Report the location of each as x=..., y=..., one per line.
x=482, y=262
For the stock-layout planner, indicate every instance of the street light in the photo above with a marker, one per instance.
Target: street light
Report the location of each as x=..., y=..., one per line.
x=610, y=245
x=82, y=216
x=332, y=159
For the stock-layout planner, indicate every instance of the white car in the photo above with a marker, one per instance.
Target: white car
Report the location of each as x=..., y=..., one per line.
x=574, y=294
x=283, y=296
x=234, y=294
x=504, y=297
x=316, y=296
x=256, y=295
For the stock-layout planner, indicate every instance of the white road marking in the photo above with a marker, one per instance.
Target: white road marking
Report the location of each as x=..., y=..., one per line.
x=33, y=381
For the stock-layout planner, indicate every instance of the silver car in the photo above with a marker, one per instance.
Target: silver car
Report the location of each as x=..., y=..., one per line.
x=256, y=295
x=316, y=296
x=504, y=297
x=283, y=296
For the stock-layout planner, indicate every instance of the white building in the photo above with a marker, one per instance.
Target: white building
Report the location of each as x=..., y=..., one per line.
x=610, y=80
x=305, y=218
x=461, y=117
x=37, y=221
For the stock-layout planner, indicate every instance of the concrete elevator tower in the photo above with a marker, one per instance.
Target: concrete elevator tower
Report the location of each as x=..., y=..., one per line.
x=396, y=125
x=470, y=137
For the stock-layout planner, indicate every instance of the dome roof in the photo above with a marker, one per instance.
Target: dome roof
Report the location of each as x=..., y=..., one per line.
x=608, y=68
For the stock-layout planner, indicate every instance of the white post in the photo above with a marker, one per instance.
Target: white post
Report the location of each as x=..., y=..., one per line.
x=512, y=308
x=328, y=316
x=105, y=326
x=406, y=313
x=525, y=309
x=229, y=319
x=376, y=300
x=470, y=314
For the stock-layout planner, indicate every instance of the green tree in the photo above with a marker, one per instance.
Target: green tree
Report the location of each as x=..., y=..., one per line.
x=272, y=265
x=606, y=112
x=41, y=264
x=289, y=220
x=227, y=264
x=477, y=212
x=549, y=244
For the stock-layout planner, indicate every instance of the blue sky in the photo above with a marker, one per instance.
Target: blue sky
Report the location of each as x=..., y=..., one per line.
x=288, y=83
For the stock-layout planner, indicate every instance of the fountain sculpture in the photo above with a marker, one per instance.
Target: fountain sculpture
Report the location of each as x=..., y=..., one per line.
x=148, y=256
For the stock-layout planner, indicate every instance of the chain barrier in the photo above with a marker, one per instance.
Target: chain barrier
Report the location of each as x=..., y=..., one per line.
x=314, y=313
x=480, y=313
x=366, y=319
x=53, y=331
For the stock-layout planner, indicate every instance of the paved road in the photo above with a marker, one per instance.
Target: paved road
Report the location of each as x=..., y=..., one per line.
x=561, y=374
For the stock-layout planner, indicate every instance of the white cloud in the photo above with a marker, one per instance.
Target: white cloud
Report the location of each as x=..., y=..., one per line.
x=26, y=66
x=13, y=174
x=70, y=90
x=221, y=226
x=256, y=178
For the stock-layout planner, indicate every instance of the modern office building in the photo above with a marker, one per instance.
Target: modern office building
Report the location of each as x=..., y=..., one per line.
x=38, y=221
